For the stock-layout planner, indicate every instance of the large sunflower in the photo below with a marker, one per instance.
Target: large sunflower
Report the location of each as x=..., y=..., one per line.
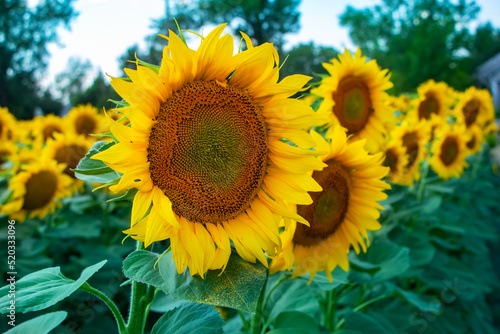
x=414, y=137
x=449, y=151
x=475, y=106
x=85, y=120
x=205, y=150
x=37, y=190
x=7, y=124
x=434, y=99
x=341, y=214
x=354, y=96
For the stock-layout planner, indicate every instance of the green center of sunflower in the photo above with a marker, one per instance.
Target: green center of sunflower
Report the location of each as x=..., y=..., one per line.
x=470, y=111
x=40, y=190
x=329, y=207
x=410, y=142
x=449, y=150
x=70, y=155
x=391, y=160
x=353, y=104
x=85, y=125
x=430, y=105
x=49, y=130
x=208, y=151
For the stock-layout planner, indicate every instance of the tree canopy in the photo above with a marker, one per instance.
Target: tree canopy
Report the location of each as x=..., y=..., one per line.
x=25, y=34
x=421, y=39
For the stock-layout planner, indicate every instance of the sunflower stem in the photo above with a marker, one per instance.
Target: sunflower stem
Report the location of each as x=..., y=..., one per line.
x=256, y=320
x=122, y=327
x=138, y=304
x=421, y=185
x=331, y=304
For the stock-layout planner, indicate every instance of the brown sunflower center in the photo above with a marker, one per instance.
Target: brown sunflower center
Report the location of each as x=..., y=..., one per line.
x=430, y=105
x=85, y=125
x=329, y=207
x=70, y=155
x=3, y=156
x=353, y=104
x=49, y=130
x=1, y=128
x=410, y=142
x=391, y=160
x=471, y=143
x=40, y=189
x=208, y=151
x=449, y=151
x=470, y=111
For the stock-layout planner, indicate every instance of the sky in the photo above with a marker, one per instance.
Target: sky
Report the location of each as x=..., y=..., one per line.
x=105, y=29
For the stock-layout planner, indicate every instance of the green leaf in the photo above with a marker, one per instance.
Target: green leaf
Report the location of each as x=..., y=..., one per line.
x=44, y=288
x=366, y=324
x=129, y=195
x=422, y=302
x=41, y=325
x=321, y=282
x=88, y=167
x=189, y=319
x=294, y=322
x=237, y=287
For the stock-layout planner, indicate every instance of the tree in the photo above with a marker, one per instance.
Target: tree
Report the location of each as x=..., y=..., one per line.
x=307, y=59
x=25, y=33
x=483, y=45
x=417, y=40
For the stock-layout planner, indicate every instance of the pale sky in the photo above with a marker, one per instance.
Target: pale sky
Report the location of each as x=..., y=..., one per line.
x=105, y=29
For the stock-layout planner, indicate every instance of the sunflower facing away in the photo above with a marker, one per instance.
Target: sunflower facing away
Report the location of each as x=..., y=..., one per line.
x=449, y=151
x=37, y=190
x=354, y=96
x=340, y=214
x=434, y=99
x=205, y=150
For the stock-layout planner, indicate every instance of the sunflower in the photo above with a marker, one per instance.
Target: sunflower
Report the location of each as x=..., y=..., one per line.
x=85, y=120
x=7, y=124
x=414, y=138
x=434, y=98
x=206, y=150
x=68, y=149
x=475, y=138
x=354, y=96
x=7, y=150
x=37, y=190
x=45, y=127
x=340, y=214
x=25, y=155
x=449, y=151
x=475, y=106
x=396, y=159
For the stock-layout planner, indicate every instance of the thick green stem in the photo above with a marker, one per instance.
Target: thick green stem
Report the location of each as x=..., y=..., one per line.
x=256, y=321
x=137, y=313
x=122, y=328
x=331, y=304
x=421, y=185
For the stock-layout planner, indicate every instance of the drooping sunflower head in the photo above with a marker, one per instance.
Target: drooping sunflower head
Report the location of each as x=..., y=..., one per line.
x=7, y=124
x=434, y=99
x=37, y=190
x=206, y=147
x=475, y=106
x=354, y=96
x=340, y=214
x=414, y=138
x=449, y=151
x=85, y=120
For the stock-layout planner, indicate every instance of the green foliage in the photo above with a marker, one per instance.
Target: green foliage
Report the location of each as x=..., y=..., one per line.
x=41, y=325
x=44, y=288
x=307, y=59
x=397, y=34
x=97, y=171
x=238, y=286
x=189, y=318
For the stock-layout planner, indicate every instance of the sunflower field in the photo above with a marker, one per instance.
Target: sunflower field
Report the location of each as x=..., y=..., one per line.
x=218, y=198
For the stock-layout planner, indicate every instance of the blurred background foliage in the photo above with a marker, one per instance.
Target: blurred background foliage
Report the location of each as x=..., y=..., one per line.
x=418, y=40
